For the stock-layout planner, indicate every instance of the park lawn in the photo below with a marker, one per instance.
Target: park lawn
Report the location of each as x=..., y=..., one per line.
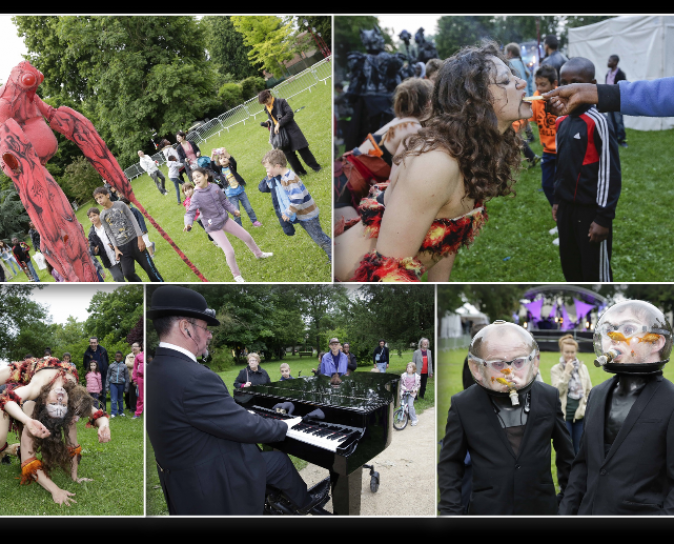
x=514, y=245
x=450, y=367
x=156, y=504
x=296, y=258
x=116, y=468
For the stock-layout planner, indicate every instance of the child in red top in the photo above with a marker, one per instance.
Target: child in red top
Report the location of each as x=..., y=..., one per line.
x=546, y=80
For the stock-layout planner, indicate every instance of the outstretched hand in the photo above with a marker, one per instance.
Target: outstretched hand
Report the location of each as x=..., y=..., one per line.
x=37, y=429
x=61, y=496
x=563, y=100
x=80, y=480
x=104, y=434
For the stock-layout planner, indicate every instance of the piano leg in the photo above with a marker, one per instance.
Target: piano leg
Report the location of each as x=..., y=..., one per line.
x=346, y=490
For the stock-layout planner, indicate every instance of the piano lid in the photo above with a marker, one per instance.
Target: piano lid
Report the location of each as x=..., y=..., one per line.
x=361, y=391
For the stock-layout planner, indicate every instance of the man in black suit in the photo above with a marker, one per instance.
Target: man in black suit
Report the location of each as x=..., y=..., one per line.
x=205, y=444
x=506, y=421
x=615, y=118
x=625, y=465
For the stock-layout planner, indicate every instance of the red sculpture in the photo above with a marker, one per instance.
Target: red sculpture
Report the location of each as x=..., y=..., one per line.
x=26, y=144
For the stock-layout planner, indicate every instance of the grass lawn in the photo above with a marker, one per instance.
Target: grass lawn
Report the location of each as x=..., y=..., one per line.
x=515, y=245
x=155, y=497
x=296, y=258
x=450, y=366
x=116, y=468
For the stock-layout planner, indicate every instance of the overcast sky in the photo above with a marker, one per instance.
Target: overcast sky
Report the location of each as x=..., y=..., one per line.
x=12, y=47
x=65, y=300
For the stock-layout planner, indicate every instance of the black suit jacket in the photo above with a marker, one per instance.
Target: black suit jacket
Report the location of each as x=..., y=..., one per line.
x=637, y=475
x=620, y=76
x=204, y=442
x=502, y=483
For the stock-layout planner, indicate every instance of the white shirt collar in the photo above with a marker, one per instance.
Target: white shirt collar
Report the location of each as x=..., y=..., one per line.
x=178, y=348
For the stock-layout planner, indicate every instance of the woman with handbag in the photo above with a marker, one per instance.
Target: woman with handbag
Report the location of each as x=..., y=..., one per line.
x=286, y=133
x=188, y=153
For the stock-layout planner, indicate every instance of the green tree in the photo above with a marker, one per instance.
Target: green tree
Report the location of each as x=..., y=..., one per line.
x=19, y=312
x=13, y=217
x=80, y=180
x=226, y=48
x=113, y=315
x=269, y=39
x=498, y=301
x=140, y=74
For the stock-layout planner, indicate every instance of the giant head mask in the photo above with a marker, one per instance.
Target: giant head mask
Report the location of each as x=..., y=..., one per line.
x=503, y=359
x=632, y=337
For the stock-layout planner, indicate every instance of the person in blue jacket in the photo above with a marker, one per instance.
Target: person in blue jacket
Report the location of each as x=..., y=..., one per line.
x=654, y=98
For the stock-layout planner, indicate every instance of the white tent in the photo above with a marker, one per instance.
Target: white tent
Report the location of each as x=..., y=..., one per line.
x=645, y=45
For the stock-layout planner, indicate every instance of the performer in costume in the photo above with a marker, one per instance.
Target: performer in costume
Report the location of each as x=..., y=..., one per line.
x=465, y=155
x=52, y=402
x=506, y=421
x=625, y=465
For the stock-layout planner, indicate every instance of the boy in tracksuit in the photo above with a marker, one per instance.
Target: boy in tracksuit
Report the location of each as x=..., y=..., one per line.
x=587, y=185
x=117, y=382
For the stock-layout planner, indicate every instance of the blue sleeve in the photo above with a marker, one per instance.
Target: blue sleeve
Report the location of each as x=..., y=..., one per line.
x=647, y=98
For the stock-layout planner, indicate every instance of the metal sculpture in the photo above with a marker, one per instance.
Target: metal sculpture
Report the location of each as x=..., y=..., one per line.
x=27, y=143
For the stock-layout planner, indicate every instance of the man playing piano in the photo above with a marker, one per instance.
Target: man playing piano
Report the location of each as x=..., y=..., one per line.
x=205, y=443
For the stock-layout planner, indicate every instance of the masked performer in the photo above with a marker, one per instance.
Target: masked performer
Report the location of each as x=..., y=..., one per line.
x=52, y=403
x=625, y=465
x=506, y=421
x=434, y=203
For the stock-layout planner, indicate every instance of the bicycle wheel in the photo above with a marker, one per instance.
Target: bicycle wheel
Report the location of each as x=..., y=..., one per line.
x=400, y=418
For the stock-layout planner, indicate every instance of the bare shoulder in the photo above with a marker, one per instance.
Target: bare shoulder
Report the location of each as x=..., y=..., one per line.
x=432, y=173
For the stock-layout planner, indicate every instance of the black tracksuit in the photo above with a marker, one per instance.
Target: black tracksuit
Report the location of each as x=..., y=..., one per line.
x=587, y=188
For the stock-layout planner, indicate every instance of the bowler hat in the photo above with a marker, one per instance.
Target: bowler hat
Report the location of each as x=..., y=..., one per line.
x=175, y=300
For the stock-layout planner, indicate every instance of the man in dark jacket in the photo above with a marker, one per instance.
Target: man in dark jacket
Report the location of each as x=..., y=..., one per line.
x=353, y=364
x=613, y=76
x=552, y=56
x=380, y=356
x=506, y=421
x=98, y=353
x=625, y=465
x=205, y=443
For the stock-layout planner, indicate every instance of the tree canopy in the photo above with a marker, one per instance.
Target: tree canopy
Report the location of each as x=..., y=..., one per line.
x=226, y=47
x=268, y=38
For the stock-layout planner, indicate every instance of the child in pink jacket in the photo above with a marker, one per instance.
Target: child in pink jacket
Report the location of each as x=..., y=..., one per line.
x=137, y=376
x=94, y=383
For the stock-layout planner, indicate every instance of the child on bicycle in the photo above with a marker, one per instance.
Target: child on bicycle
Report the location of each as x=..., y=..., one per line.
x=410, y=382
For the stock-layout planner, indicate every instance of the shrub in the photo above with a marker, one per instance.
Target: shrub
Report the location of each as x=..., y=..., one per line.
x=251, y=86
x=231, y=94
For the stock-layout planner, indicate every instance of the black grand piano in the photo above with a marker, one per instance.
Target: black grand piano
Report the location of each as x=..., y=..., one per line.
x=357, y=426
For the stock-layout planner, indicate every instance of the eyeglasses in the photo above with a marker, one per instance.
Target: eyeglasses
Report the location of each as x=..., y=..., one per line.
x=500, y=364
x=193, y=323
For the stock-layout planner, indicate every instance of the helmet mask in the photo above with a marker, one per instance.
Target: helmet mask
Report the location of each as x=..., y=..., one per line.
x=632, y=337
x=503, y=359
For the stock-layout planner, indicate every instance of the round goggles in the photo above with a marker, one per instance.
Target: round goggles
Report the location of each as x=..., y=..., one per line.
x=500, y=364
x=624, y=332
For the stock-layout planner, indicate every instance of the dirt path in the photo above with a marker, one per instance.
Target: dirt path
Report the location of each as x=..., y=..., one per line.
x=407, y=473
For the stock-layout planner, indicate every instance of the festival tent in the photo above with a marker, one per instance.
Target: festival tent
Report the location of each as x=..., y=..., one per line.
x=645, y=45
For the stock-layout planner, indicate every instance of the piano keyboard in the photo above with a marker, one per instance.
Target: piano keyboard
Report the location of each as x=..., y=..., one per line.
x=328, y=436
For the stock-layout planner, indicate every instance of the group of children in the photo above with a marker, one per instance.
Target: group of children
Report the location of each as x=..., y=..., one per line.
x=580, y=175
x=117, y=382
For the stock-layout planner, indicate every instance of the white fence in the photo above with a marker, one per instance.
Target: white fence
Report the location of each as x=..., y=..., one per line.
x=249, y=110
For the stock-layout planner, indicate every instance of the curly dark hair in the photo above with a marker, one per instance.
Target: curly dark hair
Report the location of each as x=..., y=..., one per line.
x=463, y=123
x=54, y=448
x=411, y=97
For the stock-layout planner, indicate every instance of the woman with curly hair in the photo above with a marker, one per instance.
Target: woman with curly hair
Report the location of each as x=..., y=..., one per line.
x=52, y=402
x=465, y=155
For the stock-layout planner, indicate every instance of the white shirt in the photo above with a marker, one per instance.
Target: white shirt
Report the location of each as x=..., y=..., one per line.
x=106, y=243
x=148, y=164
x=178, y=348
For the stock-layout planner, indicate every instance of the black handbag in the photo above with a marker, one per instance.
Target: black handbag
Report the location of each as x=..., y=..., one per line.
x=280, y=140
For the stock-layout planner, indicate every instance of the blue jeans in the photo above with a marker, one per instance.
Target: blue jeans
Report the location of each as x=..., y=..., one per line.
x=615, y=119
x=11, y=261
x=243, y=198
x=313, y=228
x=548, y=168
x=116, y=398
x=576, y=431
x=381, y=367
x=177, y=182
x=32, y=271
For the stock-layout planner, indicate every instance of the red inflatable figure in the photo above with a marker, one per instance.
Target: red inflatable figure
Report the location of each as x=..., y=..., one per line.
x=27, y=143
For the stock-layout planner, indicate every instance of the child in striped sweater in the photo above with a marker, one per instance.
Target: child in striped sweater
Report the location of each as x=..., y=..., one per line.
x=296, y=204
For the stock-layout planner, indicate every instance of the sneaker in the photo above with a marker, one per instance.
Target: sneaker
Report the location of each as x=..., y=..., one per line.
x=414, y=423
x=257, y=224
x=135, y=417
x=239, y=279
x=318, y=169
x=154, y=248
x=555, y=242
x=122, y=414
x=553, y=231
x=533, y=162
x=113, y=415
x=623, y=144
x=266, y=255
